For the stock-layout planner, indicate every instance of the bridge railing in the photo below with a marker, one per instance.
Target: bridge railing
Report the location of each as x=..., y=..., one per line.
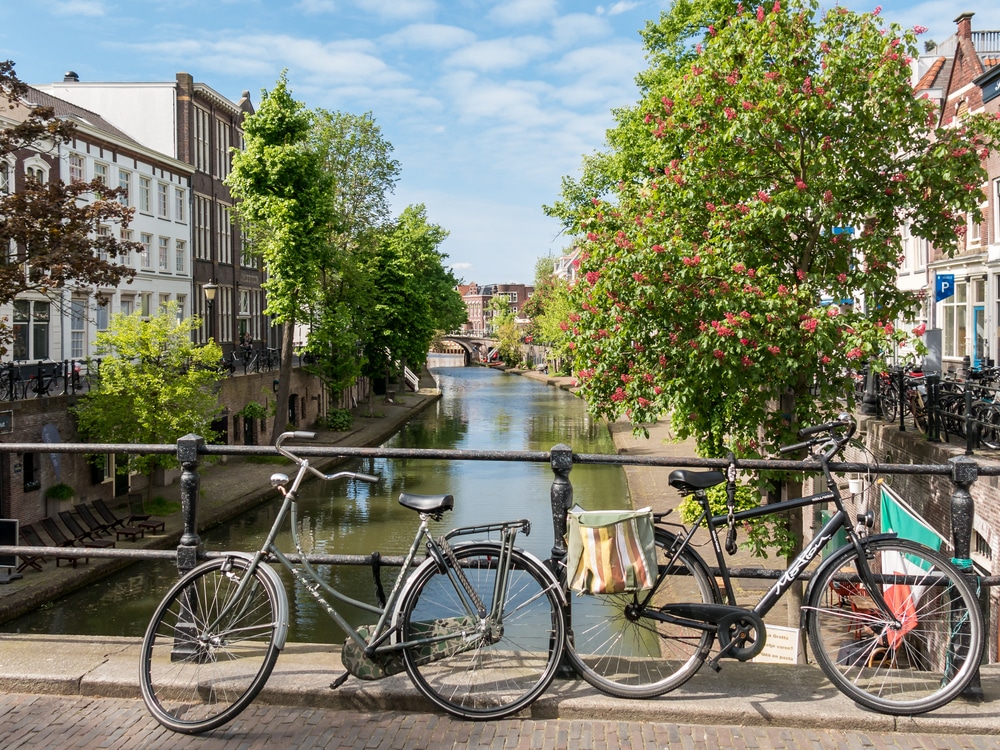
x=962, y=471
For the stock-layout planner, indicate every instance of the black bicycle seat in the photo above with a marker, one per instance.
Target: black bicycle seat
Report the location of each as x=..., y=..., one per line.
x=426, y=503
x=690, y=481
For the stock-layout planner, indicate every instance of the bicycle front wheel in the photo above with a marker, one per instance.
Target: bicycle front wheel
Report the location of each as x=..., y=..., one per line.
x=210, y=646
x=483, y=668
x=622, y=649
x=907, y=661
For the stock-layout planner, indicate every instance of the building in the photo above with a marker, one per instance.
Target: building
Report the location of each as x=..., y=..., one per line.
x=157, y=186
x=956, y=76
x=477, y=300
x=196, y=125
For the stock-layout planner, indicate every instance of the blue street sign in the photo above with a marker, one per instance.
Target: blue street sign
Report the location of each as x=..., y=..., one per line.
x=944, y=286
x=843, y=230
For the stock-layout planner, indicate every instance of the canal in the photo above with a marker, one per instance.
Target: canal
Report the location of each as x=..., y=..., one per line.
x=480, y=409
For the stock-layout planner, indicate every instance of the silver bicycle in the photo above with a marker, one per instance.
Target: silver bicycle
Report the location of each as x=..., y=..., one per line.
x=477, y=624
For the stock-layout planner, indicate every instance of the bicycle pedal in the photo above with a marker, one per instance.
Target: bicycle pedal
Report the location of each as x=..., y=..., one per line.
x=714, y=664
x=339, y=681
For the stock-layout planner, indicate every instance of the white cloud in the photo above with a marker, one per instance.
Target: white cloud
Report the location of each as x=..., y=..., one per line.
x=518, y=12
x=93, y=8
x=433, y=36
x=622, y=6
x=395, y=9
x=570, y=30
x=499, y=54
x=618, y=62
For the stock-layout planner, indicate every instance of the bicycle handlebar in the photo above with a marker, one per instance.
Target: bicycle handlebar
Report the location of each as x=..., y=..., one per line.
x=843, y=421
x=306, y=435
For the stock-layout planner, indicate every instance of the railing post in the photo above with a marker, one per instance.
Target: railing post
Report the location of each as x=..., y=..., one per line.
x=964, y=471
x=188, y=548
x=933, y=414
x=561, y=459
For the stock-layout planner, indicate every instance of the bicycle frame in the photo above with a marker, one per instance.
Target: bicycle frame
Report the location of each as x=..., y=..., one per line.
x=387, y=626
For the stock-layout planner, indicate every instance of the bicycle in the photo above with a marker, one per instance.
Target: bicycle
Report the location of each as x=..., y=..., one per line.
x=889, y=652
x=477, y=625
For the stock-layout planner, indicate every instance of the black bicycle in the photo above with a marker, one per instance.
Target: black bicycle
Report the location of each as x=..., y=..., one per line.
x=894, y=624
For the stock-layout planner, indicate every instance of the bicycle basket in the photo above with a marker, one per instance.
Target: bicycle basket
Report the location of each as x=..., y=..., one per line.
x=610, y=551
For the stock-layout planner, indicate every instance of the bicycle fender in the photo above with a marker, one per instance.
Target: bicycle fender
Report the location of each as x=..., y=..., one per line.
x=281, y=634
x=834, y=561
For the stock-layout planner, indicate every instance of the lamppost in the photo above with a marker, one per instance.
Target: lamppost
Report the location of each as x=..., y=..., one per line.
x=210, y=289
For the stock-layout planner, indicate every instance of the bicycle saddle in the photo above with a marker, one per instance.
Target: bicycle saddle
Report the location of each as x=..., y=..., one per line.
x=690, y=481
x=426, y=503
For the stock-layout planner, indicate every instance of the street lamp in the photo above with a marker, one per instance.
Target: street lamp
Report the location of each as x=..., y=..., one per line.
x=210, y=289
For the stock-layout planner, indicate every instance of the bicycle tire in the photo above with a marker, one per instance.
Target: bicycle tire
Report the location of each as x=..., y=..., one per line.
x=197, y=674
x=625, y=654
x=904, y=671
x=502, y=669
x=888, y=402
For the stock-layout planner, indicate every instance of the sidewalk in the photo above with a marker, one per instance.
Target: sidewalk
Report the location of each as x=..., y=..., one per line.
x=750, y=694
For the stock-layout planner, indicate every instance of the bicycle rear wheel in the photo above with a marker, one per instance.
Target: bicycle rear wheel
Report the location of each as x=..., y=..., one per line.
x=210, y=646
x=903, y=670
x=490, y=667
x=622, y=651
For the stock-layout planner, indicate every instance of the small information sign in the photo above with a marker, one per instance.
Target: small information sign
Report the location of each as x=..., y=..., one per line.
x=782, y=646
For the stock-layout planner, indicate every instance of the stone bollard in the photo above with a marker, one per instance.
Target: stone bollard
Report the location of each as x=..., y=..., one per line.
x=964, y=471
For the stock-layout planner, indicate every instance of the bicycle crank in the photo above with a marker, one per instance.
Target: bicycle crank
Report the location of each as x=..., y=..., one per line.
x=741, y=635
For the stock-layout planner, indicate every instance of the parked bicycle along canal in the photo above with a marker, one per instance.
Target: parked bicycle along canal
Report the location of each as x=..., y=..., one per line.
x=479, y=409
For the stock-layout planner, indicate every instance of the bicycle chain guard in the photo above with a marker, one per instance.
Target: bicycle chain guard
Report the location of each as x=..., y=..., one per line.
x=741, y=635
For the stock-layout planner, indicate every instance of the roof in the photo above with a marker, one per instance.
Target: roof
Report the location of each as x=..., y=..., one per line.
x=64, y=109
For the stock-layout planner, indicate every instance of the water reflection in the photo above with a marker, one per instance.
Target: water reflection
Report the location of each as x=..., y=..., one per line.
x=480, y=409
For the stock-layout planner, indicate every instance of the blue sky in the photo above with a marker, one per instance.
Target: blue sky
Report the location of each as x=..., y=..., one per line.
x=488, y=103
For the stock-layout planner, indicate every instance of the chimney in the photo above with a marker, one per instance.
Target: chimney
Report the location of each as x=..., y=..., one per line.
x=964, y=22
x=70, y=77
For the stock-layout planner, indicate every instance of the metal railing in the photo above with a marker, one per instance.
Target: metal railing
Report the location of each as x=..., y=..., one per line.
x=963, y=471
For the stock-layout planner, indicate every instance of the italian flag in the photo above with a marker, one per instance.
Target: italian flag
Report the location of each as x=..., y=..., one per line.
x=901, y=597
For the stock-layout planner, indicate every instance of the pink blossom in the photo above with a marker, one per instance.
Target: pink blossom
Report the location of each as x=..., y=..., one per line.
x=730, y=113
x=855, y=353
x=920, y=330
x=800, y=185
x=746, y=360
x=592, y=277
x=760, y=12
x=644, y=402
x=774, y=349
x=718, y=354
x=657, y=248
x=842, y=277
x=878, y=9
x=809, y=324
x=824, y=360
x=832, y=312
x=618, y=396
x=919, y=29
x=800, y=275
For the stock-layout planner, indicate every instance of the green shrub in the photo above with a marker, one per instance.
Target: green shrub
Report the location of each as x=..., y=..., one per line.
x=61, y=491
x=767, y=532
x=160, y=506
x=339, y=420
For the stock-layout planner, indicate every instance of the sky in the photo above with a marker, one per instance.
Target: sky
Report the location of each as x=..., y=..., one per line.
x=487, y=103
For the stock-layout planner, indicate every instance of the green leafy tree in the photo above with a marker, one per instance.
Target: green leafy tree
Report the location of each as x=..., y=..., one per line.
x=550, y=311
x=503, y=328
x=50, y=230
x=705, y=269
x=283, y=196
x=415, y=295
x=156, y=385
x=358, y=161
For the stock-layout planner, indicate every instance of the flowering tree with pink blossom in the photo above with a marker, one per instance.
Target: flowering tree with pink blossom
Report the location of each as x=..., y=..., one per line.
x=707, y=228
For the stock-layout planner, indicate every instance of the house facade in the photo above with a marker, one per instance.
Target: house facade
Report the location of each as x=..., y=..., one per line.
x=957, y=76
x=196, y=125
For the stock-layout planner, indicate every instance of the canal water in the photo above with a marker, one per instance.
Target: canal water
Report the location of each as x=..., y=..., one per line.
x=480, y=409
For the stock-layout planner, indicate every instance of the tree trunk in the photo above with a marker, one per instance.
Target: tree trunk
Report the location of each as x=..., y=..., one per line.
x=284, y=381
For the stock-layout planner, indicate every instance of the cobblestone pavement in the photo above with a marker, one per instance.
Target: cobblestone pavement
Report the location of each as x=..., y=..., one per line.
x=40, y=721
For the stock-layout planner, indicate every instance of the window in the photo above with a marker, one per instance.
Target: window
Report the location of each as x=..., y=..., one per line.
x=164, y=301
x=146, y=256
x=101, y=317
x=164, y=253
x=126, y=258
x=31, y=471
x=225, y=254
x=162, y=201
x=127, y=306
x=125, y=183
x=75, y=168
x=37, y=173
x=995, y=239
x=78, y=327
x=222, y=142
x=179, y=204
x=145, y=196
x=181, y=306
x=202, y=234
x=146, y=302
x=201, y=139
x=101, y=173
x=31, y=329
x=5, y=172
x=954, y=322
x=180, y=256
x=104, y=232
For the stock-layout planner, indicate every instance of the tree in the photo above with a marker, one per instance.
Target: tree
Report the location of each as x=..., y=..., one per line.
x=415, y=295
x=503, y=328
x=156, y=385
x=51, y=229
x=704, y=273
x=357, y=160
x=550, y=311
x=283, y=196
